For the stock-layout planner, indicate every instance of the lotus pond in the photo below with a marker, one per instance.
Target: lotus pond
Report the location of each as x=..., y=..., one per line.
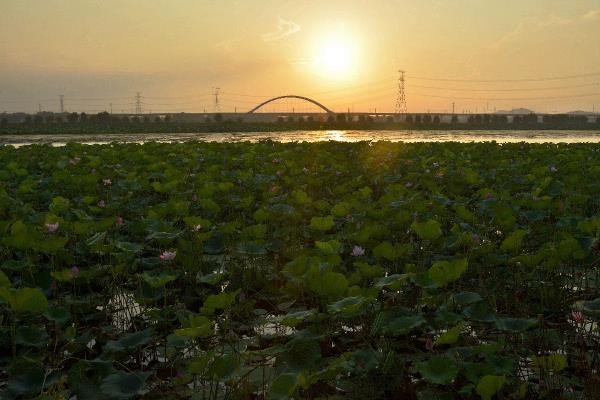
x=294, y=270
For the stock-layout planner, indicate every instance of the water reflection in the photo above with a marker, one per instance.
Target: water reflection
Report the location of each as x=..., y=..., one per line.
x=316, y=136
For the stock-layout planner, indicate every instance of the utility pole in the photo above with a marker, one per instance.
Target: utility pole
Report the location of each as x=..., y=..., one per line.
x=111, y=108
x=401, y=98
x=452, y=107
x=138, y=103
x=217, y=105
x=62, y=103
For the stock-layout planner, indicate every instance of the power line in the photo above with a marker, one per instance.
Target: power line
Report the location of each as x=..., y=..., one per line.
x=556, y=78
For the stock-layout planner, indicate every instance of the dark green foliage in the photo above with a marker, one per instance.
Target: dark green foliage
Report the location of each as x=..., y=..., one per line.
x=325, y=270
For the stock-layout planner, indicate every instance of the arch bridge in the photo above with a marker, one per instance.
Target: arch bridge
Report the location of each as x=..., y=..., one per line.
x=291, y=96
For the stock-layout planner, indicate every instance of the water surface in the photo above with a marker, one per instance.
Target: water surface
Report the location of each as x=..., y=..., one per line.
x=500, y=136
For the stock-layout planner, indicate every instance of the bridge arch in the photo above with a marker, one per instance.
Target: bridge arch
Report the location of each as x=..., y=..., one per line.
x=291, y=96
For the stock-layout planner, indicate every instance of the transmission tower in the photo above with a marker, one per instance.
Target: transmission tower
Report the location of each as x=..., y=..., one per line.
x=401, y=99
x=138, y=103
x=62, y=103
x=217, y=105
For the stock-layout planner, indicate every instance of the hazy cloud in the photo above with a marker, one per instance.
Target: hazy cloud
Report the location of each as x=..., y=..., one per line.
x=592, y=15
x=532, y=24
x=284, y=28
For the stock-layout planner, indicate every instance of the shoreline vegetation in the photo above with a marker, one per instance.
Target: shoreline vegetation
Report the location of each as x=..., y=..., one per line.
x=106, y=123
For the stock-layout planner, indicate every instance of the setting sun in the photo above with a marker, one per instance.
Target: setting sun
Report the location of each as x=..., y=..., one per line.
x=335, y=57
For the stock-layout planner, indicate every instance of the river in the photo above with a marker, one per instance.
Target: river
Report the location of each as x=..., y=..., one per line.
x=500, y=136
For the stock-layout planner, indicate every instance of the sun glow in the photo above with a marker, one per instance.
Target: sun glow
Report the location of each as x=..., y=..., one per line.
x=335, y=57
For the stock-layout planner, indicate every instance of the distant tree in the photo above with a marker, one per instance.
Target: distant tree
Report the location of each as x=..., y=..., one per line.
x=389, y=118
x=427, y=119
x=59, y=119
x=135, y=119
x=417, y=119
x=28, y=120
x=454, y=119
x=487, y=118
x=146, y=119
x=280, y=120
x=330, y=118
x=218, y=118
x=436, y=120
x=310, y=118
x=157, y=120
x=72, y=118
x=409, y=119
x=49, y=119
x=4, y=122
x=341, y=118
x=83, y=118
x=239, y=120
x=167, y=119
x=361, y=118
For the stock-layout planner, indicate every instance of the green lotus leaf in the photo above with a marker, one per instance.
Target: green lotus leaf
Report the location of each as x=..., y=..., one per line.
x=349, y=306
x=514, y=241
x=284, y=385
x=200, y=326
x=438, y=370
x=28, y=300
x=428, y=230
x=221, y=301
x=322, y=223
x=553, y=362
x=490, y=385
x=403, y=325
x=445, y=272
x=211, y=279
x=292, y=319
x=481, y=312
x=466, y=298
x=4, y=281
x=515, y=324
x=592, y=307
x=124, y=385
x=31, y=336
x=330, y=247
x=332, y=285
x=129, y=341
x=450, y=336
x=59, y=315
x=392, y=282
x=158, y=280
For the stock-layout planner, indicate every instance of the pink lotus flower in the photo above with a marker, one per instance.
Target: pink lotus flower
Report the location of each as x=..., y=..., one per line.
x=429, y=344
x=52, y=228
x=476, y=238
x=357, y=251
x=577, y=316
x=106, y=182
x=101, y=204
x=120, y=221
x=74, y=271
x=168, y=255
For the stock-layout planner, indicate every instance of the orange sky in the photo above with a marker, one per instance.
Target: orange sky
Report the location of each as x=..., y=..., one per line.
x=344, y=54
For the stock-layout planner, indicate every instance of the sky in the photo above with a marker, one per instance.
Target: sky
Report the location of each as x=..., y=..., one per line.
x=480, y=55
